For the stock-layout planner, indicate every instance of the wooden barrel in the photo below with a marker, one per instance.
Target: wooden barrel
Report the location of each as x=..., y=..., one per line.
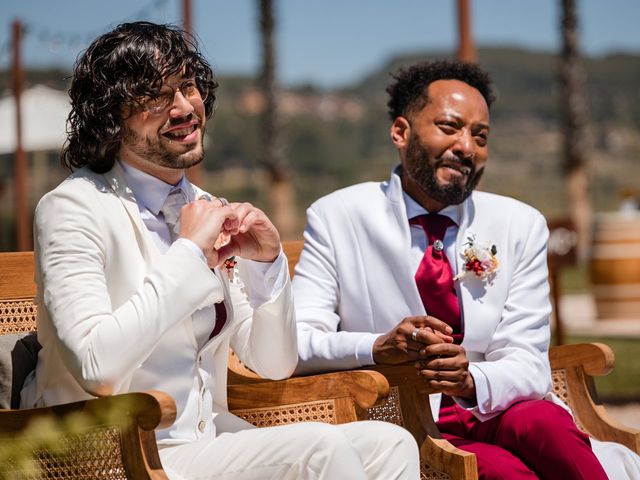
x=615, y=266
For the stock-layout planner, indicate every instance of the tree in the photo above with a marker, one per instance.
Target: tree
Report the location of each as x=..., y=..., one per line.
x=574, y=115
x=281, y=194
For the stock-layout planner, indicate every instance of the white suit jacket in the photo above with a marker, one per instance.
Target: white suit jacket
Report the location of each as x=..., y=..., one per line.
x=354, y=276
x=115, y=314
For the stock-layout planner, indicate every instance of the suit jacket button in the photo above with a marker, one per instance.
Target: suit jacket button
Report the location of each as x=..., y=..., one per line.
x=201, y=426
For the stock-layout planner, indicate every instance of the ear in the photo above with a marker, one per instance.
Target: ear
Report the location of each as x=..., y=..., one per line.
x=400, y=132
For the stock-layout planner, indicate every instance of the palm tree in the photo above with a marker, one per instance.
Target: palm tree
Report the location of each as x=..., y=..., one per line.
x=281, y=193
x=574, y=115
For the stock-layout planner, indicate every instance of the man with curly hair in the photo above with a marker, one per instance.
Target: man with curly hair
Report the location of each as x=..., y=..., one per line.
x=131, y=294
x=422, y=268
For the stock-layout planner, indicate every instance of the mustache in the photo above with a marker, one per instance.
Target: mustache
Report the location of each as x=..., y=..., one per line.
x=184, y=119
x=462, y=164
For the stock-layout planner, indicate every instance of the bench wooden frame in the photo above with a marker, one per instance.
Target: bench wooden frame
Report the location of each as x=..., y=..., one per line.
x=123, y=445
x=573, y=370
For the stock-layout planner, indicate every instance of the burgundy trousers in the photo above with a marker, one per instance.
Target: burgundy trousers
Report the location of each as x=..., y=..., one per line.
x=531, y=439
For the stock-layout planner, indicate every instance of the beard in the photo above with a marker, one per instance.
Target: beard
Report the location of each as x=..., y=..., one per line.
x=153, y=150
x=422, y=170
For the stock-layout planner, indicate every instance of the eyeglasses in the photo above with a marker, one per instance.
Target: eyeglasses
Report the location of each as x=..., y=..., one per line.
x=157, y=105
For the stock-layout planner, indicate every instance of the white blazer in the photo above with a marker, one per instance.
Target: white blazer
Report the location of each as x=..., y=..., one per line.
x=114, y=314
x=354, y=277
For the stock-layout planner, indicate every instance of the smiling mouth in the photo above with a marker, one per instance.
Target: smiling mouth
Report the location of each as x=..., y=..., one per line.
x=462, y=169
x=182, y=134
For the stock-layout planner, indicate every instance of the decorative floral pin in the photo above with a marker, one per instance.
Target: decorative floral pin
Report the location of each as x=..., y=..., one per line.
x=229, y=266
x=479, y=259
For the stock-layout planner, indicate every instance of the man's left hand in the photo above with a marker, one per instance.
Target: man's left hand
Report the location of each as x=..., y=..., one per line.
x=446, y=368
x=253, y=237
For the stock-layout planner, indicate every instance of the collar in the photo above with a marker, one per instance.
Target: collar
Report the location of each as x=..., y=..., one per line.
x=414, y=209
x=151, y=192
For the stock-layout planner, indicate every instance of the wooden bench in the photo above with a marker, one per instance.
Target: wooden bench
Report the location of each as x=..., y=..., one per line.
x=113, y=438
x=573, y=369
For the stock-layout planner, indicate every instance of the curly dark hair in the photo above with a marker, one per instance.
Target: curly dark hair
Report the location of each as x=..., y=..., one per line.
x=409, y=91
x=118, y=69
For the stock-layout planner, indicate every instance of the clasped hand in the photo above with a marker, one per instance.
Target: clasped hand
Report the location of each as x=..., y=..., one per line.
x=442, y=364
x=250, y=232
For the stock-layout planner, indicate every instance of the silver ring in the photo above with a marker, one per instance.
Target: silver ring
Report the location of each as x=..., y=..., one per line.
x=223, y=201
x=414, y=334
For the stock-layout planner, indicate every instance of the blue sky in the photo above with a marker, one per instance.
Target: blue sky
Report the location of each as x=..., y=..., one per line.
x=327, y=42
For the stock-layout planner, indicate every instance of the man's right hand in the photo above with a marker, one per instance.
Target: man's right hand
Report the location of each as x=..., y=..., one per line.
x=203, y=221
x=398, y=345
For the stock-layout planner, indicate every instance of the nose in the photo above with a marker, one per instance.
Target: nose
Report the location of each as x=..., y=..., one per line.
x=465, y=147
x=181, y=105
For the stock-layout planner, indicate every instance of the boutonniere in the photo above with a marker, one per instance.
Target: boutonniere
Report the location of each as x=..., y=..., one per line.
x=479, y=260
x=229, y=266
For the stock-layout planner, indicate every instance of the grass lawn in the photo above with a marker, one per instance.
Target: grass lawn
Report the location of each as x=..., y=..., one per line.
x=623, y=384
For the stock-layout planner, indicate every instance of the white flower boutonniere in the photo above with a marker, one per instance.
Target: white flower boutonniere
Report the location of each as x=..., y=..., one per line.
x=479, y=260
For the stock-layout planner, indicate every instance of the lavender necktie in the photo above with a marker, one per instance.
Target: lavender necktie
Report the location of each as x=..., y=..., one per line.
x=171, y=211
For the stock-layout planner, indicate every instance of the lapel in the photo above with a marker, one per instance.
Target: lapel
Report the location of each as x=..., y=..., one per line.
x=466, y=217
x=399, y=226
x=116, y=180
x=220, y=274
x=478, y=298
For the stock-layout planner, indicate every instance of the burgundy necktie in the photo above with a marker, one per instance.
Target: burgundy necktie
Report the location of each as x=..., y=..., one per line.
x=434, y=277
x=221, y=319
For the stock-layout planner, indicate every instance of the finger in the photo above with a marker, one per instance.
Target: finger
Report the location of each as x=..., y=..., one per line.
x=444, y=378
x=426, y=335
x=228, y=250
x=438, y=325
x=247, y=215
x=231, y=225
x=252, y=219
x=449, y=364
x=218, y=201
x=432, y=324
x=443, y=350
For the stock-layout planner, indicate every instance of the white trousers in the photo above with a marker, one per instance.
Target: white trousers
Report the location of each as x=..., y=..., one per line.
x=354, y=451
x=619, y=462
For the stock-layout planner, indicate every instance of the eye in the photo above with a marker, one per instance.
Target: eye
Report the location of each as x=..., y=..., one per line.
x=189, y=89
x=160, y=103
x=481, y=139
x=448, y=127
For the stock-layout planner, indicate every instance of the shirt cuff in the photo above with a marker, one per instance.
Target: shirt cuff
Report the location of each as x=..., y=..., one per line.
x=364, y=349
x=191, y=245
x=482, y=400
x=263, y=280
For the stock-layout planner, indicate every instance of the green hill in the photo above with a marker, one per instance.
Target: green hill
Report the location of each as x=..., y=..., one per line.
x=335, y=138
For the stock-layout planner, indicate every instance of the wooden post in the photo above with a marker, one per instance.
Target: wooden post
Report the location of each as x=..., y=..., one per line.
x=23, y=214
x=466, y=48
x=573, y=100
x=186, y=16
x=195, y=172
x=281, y=195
